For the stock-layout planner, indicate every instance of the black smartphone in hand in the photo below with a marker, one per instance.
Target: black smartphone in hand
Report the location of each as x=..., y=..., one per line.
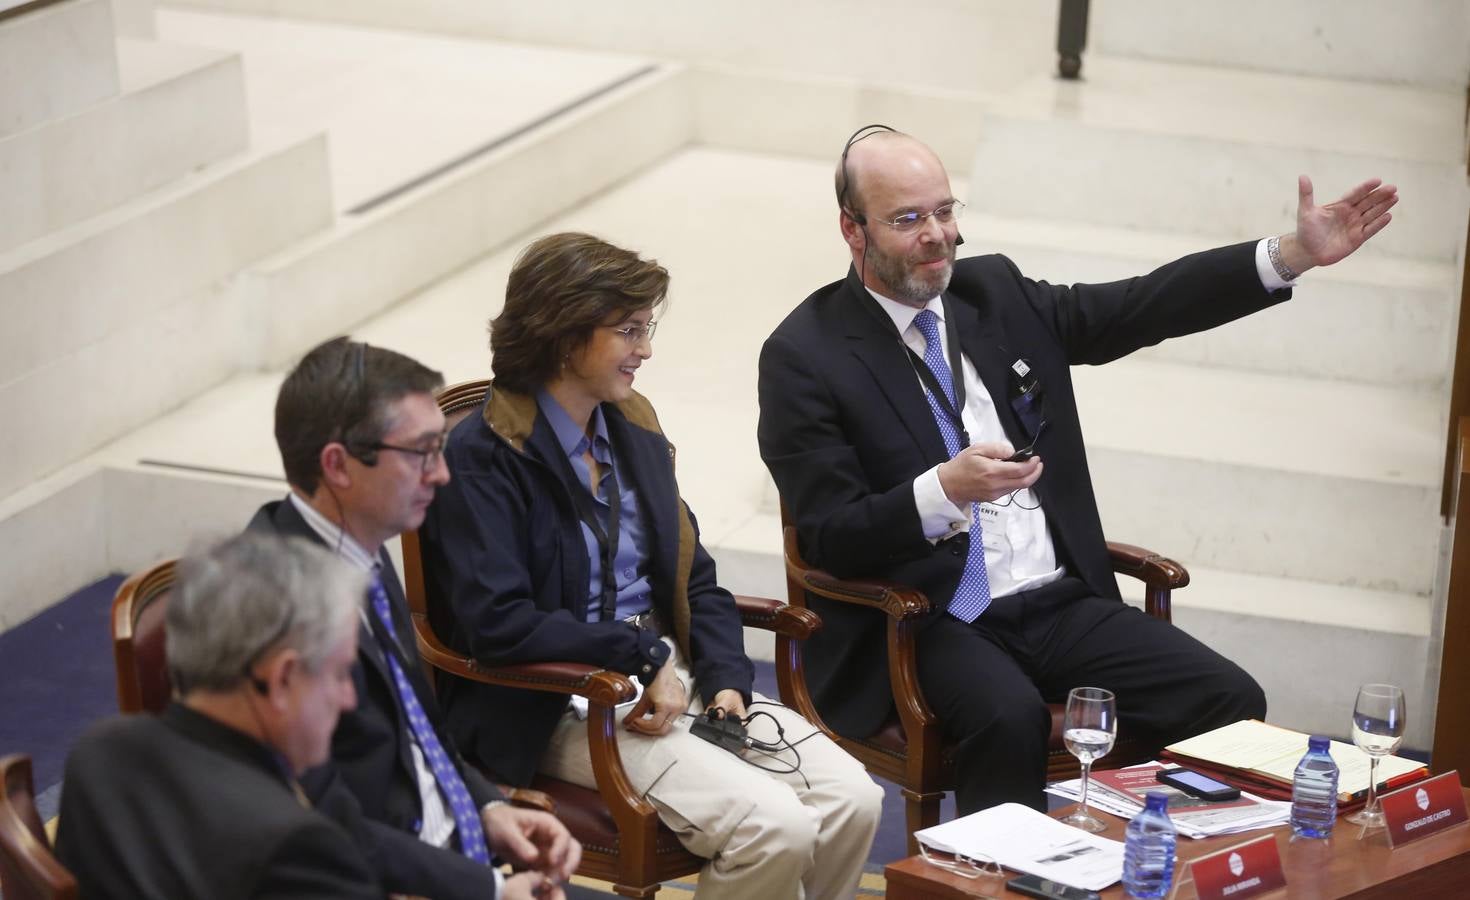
x=1021, y=455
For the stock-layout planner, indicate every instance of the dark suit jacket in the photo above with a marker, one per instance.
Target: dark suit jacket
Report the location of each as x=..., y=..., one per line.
x=179, y=805
x=371, y=755
x=504, y=553
x=845, y=429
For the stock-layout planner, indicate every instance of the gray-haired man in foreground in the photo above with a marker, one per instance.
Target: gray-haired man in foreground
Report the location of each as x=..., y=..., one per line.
x=202, y=801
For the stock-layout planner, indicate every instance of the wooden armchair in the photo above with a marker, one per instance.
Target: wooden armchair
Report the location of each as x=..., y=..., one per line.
x=28, y=870
x=622, y=839
x=910, y=749
x=138, y=651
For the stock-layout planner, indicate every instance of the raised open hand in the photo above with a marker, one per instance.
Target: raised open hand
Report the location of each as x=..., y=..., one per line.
x=1326, y=234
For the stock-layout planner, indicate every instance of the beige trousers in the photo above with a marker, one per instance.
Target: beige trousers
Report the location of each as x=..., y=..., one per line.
x=767, y=834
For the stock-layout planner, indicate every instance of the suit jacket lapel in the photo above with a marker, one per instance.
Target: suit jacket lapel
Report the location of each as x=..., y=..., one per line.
x=983, y=344
x=880, y=349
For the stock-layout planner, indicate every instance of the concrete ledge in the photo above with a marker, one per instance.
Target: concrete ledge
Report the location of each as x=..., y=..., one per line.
x=63, y=293
x=55, y=61
x=1422, y=42
x=1136, y=179
x=319, y=288
x=180, y=109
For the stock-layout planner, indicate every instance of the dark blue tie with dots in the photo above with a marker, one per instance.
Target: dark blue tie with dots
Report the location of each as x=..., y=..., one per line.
x=466, y=817
x=972, y=595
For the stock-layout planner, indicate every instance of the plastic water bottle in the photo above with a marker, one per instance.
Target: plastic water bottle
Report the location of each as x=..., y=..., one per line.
x=1314, y=791
x=1148, y=853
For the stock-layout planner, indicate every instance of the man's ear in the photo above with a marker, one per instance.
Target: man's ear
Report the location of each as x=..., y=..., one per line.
x=852, y=232
x=333, y=461
x=279, y=673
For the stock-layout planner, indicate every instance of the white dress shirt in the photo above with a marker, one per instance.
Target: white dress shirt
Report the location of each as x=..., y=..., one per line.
x=438, y=824
x=1019, y=553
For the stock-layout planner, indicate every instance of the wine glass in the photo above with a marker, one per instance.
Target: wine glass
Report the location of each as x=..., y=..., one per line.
x=1378, y=727
x=1088, y=731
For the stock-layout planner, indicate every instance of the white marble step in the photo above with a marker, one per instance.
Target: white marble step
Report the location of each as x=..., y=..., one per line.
x=1419, y=42
x=1320, y=480
x=369, y=262
x=135, y=18
x=179, y=109
x=1204, y=150
x=1000, y=41
x=1376, y=319
x=54, y=61
x=127, y=314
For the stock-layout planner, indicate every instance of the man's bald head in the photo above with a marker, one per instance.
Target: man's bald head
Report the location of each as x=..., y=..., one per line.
x=879, y=158
x=897, y=215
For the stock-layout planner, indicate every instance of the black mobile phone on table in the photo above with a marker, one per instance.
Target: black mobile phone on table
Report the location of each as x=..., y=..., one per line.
x=1045, y=888
x=1197, y=785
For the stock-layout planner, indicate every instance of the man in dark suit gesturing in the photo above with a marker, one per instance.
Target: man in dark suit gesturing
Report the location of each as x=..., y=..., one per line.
x=361, y=439
x=202, y=800
x=891, y=406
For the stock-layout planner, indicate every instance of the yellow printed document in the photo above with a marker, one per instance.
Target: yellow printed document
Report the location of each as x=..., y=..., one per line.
x=1272, y=753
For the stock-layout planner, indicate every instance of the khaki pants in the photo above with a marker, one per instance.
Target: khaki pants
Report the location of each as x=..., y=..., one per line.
x=767, y=834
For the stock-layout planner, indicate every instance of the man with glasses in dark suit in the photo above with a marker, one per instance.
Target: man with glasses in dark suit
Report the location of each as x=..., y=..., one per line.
x=361, y=440
x=891, y=404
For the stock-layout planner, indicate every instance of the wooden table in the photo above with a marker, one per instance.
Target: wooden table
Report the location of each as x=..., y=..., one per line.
x=1341, y=866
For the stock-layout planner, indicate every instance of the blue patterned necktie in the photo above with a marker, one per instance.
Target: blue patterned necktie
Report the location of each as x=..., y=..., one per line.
x=466, y=817
x=972, y=594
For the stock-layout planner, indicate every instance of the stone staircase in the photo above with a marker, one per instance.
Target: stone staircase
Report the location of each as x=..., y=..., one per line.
x=1291, y=461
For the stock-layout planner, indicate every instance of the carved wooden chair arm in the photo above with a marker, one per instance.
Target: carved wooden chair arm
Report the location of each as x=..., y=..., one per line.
x=895, y=600
x=597, y=685
x=1159, y=574
x=781, y=618
x=528, y=798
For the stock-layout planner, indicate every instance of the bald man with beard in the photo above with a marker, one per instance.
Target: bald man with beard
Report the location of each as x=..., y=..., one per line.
x=891, y=406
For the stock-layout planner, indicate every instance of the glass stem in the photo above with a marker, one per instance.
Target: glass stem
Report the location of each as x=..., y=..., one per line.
x=1372, y=785
x=1086, y=773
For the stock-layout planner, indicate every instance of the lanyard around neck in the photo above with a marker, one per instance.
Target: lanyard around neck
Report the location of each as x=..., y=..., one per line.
x=607, y=539
x=952, y=408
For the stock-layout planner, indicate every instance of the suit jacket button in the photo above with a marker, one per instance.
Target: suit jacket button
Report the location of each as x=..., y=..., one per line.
x=957, y=550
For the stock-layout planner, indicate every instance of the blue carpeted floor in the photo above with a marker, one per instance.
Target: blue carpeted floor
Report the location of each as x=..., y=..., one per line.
x=56, y=678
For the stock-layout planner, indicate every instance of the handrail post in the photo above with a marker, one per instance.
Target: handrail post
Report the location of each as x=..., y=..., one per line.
x=1071, y=38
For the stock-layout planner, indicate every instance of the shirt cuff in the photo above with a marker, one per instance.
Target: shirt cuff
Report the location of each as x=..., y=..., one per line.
x=938, y=517
x=499, y=881
x=1269, y=279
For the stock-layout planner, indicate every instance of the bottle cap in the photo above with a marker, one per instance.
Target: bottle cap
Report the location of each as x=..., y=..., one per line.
x=1157, y=800
x=1318, y=742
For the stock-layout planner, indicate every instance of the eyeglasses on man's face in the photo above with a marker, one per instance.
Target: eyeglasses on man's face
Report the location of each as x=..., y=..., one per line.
x=910, y=221
x=634, y=334
x=429, y=454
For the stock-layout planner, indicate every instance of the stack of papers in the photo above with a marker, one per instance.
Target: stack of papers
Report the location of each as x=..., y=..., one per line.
x=1025, y=840
x=1120, y=792
x=1271, y=753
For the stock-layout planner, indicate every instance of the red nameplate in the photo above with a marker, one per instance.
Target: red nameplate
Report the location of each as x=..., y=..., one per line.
x=1244, y=870
x=1423, y=808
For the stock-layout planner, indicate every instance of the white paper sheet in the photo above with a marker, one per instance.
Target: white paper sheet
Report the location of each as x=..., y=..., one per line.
x=1023, y=839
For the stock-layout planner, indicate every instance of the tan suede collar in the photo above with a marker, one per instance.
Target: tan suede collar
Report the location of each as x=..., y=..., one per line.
x=511, y=416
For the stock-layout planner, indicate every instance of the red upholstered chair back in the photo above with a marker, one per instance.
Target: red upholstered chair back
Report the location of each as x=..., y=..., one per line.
x=138, y=647
x=28, y=870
